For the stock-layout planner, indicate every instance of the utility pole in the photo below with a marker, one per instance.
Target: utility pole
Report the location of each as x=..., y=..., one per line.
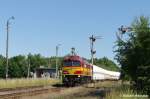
x=57, y=48
x=7, y=44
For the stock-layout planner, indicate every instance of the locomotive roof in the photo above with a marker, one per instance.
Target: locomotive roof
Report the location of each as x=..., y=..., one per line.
x=74, y=57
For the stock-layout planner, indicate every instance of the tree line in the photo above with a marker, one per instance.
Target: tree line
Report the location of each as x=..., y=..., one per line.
x=19, y=65
x=106, y=64
x=133, y=54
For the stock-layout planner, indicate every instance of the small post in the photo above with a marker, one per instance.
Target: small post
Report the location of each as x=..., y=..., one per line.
x=28, y=68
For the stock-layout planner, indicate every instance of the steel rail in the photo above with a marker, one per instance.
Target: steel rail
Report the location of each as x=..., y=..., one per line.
x=19, y=93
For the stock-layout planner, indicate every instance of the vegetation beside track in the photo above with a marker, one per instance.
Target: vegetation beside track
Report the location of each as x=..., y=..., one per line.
x=133, y=54
x=124, y=92
x=95, y=90
x=98, y=90
x=23, y=82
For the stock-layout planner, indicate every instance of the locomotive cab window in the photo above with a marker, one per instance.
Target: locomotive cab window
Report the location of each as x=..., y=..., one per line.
x=71, y=63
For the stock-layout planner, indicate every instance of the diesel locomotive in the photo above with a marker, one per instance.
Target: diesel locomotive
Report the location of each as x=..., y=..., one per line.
x=76, y=70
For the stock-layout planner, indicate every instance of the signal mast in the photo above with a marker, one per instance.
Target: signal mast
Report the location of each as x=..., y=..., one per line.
x=92, y=40
x=122, y=30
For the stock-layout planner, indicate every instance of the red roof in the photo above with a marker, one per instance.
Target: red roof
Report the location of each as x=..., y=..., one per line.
x=73, y=58
x=77, y=58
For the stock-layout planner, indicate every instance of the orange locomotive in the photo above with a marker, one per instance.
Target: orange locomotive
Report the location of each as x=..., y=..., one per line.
x=76, y=70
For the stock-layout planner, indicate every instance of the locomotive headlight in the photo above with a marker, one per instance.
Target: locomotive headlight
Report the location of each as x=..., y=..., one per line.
x=78, y=75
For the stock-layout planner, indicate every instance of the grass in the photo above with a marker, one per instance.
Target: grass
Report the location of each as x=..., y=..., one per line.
x=99, y=90
x=23, y=82
x=124, y=92
x=87, y=91
x=107, y=84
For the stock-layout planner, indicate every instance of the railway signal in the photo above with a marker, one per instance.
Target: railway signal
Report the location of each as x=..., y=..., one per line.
x=92, y=40
x=123, y=30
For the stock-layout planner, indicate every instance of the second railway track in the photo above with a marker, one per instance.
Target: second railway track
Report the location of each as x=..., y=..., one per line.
x=18, y=93
x=22, y=92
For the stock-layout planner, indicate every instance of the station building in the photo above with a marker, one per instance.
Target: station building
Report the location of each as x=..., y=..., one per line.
x=45, y=72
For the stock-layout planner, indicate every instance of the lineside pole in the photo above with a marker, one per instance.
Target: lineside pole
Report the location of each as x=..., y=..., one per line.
x=57, y=48
x=7, y=44
x=56, y=61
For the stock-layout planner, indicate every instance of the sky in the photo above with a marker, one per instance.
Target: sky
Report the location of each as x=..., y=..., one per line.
x=40, y=25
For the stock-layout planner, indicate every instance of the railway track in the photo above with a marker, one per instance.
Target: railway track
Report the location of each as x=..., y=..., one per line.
x=18, y=93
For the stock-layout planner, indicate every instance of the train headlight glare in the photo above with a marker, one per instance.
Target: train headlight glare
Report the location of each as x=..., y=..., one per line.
x=78, y=75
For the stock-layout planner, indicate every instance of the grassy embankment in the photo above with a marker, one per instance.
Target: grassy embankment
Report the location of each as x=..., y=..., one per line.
x=87, y=91
x=123, y=91
x=108, y=89
x=23, y=82
x=102, y=90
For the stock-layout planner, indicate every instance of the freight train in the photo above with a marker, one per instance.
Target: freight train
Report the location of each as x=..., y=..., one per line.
x=76, y=70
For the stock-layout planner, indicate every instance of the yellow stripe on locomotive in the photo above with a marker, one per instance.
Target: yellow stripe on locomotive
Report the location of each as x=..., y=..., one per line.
x=74, y=70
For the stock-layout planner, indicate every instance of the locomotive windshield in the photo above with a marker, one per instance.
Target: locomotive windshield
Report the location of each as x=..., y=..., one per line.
x=71, y=63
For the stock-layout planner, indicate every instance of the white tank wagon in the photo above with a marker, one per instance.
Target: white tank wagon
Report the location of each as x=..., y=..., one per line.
x=103, y=74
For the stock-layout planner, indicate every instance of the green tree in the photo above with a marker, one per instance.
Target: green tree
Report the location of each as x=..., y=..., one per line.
x=36, y=61
x=2, y=66
x=52, y=61
x=18, y=66
x=106, y=64
x=133, y=54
